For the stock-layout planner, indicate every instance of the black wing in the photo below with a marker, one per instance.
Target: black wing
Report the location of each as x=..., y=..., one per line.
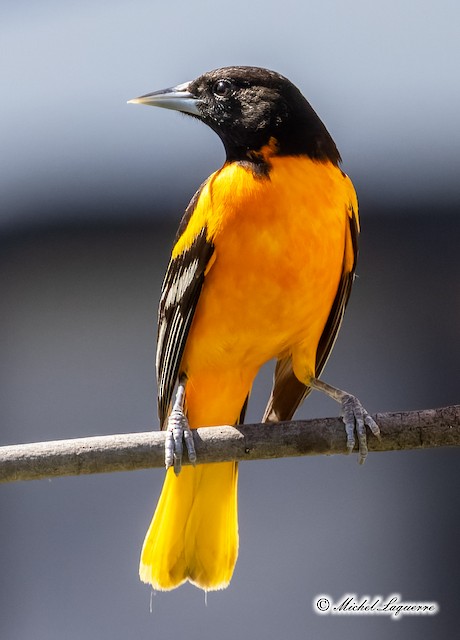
x=288, y=392
x=179, y=298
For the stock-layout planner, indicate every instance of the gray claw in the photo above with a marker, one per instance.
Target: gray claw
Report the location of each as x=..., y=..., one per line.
x=188, y=438
x=178, y=429
x=356, y=417
x=373, y=426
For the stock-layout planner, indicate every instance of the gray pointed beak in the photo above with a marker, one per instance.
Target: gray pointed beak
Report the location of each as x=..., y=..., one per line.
x=178, y=98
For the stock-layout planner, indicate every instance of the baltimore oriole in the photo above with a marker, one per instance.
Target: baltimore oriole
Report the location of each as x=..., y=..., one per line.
x=261, y=268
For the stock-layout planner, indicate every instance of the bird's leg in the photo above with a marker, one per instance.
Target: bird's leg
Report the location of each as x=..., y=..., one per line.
x=177, y=429
x=354, y=416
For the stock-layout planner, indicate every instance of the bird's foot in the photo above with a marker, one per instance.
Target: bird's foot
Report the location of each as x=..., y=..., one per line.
x=177, y=432
x=355, y=417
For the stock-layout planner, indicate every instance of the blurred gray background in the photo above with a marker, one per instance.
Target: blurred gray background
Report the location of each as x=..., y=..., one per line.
x=91, y=192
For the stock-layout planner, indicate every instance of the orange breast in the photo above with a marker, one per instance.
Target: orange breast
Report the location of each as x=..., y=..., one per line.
x=279, y=250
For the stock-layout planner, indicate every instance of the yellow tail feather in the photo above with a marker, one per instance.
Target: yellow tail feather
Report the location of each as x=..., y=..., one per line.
x=194, y=531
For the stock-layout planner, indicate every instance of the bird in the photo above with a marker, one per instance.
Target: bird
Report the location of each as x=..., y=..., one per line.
x=261, y=269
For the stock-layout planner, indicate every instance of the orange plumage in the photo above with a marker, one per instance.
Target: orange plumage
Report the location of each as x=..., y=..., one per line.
x=261, y=269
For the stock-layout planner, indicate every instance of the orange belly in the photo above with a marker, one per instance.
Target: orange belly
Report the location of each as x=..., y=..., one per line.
x=279, y=251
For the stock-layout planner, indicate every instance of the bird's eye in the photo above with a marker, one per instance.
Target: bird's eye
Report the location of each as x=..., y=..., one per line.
x=222, y=88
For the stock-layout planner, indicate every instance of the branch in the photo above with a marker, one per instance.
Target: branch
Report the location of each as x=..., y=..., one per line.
x=424, y=429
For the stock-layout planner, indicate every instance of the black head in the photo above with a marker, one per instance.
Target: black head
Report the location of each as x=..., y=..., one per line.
x=250, y=107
